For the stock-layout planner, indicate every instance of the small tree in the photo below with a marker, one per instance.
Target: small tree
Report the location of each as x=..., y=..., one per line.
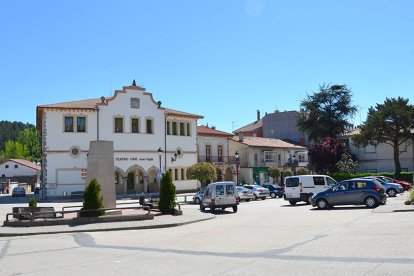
x=325, y=155
x=202, y=172
x=92, y=199
x=32, y=202
x=301, y=171
x=286, y=173
x=167, y=194
x=347, y=164
x=274, y=173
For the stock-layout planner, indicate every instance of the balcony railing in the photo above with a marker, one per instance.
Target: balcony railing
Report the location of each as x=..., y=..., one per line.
x=217, y=159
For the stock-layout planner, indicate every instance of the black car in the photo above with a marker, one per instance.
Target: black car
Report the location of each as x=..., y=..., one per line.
x=275, y=190
x=357, y=191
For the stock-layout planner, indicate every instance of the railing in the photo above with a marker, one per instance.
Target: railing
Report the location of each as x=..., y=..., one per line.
x=217, y=159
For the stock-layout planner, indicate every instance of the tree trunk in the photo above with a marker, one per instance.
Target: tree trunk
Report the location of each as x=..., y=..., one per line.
x=397, y=158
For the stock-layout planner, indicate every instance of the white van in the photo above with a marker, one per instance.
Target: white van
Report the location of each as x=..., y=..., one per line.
x=220, y=195
x=303, y=187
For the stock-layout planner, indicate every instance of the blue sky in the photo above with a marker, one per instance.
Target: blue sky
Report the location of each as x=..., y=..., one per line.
x=220, y=59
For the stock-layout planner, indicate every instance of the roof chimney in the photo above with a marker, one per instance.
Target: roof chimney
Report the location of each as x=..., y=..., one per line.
x=258, y=115
x=241, y=137
x=213, y=127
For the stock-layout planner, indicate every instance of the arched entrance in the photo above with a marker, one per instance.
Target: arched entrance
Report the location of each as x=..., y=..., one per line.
x=228, y=176
x=219, y=175
x=153, y=186
x=120, y=175
x=135, y=179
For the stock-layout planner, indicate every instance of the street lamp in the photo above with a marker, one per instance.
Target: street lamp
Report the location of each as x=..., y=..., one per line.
x=159, y=151
x=236, y=154
x=412, y=143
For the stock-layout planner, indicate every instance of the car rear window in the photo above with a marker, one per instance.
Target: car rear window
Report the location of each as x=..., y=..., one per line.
x=292, y=182
x=219, y=190
x=230, y=189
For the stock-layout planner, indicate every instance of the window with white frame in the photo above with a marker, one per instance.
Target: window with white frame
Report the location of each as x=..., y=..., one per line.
x=188, y=129
x=68, y=123
x=182, y=129
x=134, y=125
x=269, y=156
x=81, y=124
x=119, y=124
x=149, y=126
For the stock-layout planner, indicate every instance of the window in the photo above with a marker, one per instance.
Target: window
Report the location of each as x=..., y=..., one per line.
x=319, y=180
x=220, y=153
x=68, y=124
x=6, y=166
x=168, y=128
x=119, y=125
x=269, y=156
x=292, y=182
x=149, y=126
x=229, y=189
x=182, y=129
x=219, y=190
x=188, y=129
x=176, y=174
x=182, y=174
x=208, y=153
x=134, y=102
x=135, y=125
x=16, y=166
x=330, y=181
x=174, y=128
x=81, y=124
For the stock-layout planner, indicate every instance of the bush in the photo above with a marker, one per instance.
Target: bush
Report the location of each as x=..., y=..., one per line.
x=301, y=171
x=411, y=195
x=167, y=194
x=32, y=202
x=274, y=173
x=92, y=200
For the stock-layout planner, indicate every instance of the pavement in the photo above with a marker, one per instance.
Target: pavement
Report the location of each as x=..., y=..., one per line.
x=190, y=215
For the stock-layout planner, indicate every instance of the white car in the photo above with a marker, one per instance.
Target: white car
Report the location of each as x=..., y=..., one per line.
x=245, y=194
x=258, y=191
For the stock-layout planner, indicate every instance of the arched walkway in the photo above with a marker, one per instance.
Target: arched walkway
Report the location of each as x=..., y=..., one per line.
x=120, y=175
x=228, y=175
x=135, y=181
x=153, y=185
x=219, y=175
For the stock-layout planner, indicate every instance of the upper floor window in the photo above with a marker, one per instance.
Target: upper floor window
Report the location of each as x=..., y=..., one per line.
x=168, y=128
x=81, y=124
x=174, y=128
x=134, y=102
x=182, y=129
x=135, y=125
x=16, y=166
x=6, y=166
x=188, y=129
x=119, y=125
x=149, y=126
x=269, y=156
x=182, y=174
x=68, y=124
x=220, y=153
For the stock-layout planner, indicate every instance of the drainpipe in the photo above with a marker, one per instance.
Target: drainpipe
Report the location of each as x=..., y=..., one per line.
x=97, y=122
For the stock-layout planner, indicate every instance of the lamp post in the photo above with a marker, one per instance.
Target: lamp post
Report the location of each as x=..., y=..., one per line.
x=236, y=155
x=159, y=151
x=412, y=143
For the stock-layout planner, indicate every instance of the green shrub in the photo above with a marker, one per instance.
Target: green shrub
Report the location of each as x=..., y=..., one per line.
x=274, y=173
x=301, y=171
x=92, y=200
x=167, y=194
x=32, y=202
x=411, y=195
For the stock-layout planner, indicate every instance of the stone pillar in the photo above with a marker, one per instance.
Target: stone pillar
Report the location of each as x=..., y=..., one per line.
x=125, y=184
x=101, y=166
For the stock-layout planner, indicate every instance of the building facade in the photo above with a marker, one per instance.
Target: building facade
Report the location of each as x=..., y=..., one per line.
x=19, y=171
x=148, y=139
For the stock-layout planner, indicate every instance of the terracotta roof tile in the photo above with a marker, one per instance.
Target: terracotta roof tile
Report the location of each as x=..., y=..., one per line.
x=26, y=163
x=207, y=131
x=267, y=142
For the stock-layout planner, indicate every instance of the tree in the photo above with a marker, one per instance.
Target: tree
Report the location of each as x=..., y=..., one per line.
x=387, y=123
x=274, y=173
x=167, y=194
x=202, y=172
x=14, y=150
x=10, y=131
x=30, y=137
x=326, y=113
x=301, y=171
x=325, y=155
x=92, y=199
x=347, y=164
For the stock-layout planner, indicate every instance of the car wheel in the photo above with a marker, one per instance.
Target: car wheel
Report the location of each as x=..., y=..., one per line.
x=235, y=209
x=197, y=200
x=391, y=192
x=263, y=198
x=222, y=208
x=309, y=199
x=247, y=199
x=371, y=202
x=212, y=210
x=202, y=208
x=292, y=202
x=322, y=204
x=255, y=197
x=280, y=196
x=273, y=195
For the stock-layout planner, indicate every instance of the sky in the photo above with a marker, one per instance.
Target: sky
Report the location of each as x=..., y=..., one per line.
x=220, y=59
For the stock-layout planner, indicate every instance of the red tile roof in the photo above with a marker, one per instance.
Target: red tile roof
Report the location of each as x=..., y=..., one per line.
x=26, y=163
x=267, y=142
x=207, y=131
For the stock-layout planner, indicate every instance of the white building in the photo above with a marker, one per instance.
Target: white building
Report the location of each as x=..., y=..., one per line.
x=18, y=168
x=139, y=128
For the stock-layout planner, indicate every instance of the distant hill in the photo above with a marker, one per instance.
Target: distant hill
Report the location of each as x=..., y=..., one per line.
x=10, y=131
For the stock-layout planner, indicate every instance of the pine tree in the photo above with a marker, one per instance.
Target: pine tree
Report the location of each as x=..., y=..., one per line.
x=92, y=200
x=167, y=194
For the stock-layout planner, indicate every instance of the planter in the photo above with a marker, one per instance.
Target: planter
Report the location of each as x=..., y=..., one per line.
x=33, y=210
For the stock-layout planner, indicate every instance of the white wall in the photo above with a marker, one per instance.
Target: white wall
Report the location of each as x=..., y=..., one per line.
x=11, y=171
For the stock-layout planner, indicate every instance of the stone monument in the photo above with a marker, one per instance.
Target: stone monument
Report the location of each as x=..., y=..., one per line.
x=101, y=166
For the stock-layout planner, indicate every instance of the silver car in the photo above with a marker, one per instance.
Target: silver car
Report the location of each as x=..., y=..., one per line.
x=245, y=194
x=258, y=191
x=391, y=189
x=199, y=196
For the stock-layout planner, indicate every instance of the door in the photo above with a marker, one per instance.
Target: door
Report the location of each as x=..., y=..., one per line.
x=220, y=195
x=292, y=189
x=130, y=182
x=230, y=196
x=339, y=194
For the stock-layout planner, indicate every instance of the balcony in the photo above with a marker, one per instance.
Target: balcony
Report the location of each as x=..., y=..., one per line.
x=216, y=159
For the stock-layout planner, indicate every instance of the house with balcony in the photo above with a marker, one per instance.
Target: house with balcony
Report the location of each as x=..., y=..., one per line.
x=212, y=147
x=258, y=154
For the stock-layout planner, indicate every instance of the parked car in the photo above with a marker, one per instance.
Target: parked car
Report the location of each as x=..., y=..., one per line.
x=391, y=189
x=198, y=196
x=303, y=187
x=18, y=191
x=220, y=195
x=358, y=191
x=406, y=185
x=244, y=193
x=258, y=191
x=275, y=190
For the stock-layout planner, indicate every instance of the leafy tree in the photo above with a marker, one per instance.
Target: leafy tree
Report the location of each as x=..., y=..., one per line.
x=10, y=131
x=274, y=173
x=202, y=172
x=387, y=123
x=167, y=194
x=14, y=150
x=92, y=199
x=30, y=137
x=325, y=155
x=286, y=173
x=326, y=112
x=301, y=171
x=347, y=164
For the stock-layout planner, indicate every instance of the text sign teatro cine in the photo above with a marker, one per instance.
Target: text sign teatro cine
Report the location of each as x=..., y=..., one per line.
x=133, y=159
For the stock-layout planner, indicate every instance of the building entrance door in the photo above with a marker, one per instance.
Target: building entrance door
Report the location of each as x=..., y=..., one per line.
x=130, y=182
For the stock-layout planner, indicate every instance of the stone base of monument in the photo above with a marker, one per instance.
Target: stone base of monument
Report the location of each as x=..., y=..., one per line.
x=113, y=213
